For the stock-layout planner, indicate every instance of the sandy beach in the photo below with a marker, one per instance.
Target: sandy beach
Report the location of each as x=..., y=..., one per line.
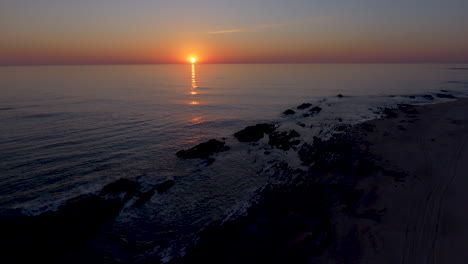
x=390, y=190
x=426, y=218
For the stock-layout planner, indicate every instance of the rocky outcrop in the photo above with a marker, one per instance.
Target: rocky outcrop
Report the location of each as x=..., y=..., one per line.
x=315, y=109
x=289, y=112
x=54, y=233
x=203, y=150
x=448, y=96
x=304, y=106
x=254, y=133
x=283, y=140
x=389, y=113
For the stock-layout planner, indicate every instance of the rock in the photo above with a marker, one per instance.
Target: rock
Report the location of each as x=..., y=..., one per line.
x=304, y=106
x=367, y=127
x=306, y=115
x=120, y=186
x=289, y=112
x=428, y=97
x=408, y=109
x=210, y=161
x=254, y=133
x=282, y=141
x=164, y=186
x=203, y=150
x=144, y=197
x=54, y=234
x=301, y=124
x=389, y=113
x=444, y=91
x=315, y=109
x=449, y=96
x=340, y=96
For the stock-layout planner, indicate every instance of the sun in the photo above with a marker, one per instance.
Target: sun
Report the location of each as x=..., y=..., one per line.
x=193, y=60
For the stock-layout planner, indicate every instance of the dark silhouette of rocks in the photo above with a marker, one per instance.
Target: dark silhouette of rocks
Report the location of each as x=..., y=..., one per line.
x=54, y=233
x=292, y=221
x=449, y=96
x=408, y=109
x=304, y=106
x=315, y=109
x=428, y=97
x=389, y=113
x=340, y=96
x=254, y=133
x=144, y=197
x=289, y=112
x=203, y=150
x=164, y=186
x=282, y=140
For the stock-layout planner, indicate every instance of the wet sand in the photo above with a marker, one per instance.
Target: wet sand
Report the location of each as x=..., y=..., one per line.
x=426, y=217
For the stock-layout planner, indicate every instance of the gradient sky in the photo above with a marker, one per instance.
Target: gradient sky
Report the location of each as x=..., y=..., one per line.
x=226, y=31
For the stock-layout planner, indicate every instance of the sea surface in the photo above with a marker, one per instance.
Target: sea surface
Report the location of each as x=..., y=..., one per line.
x=70, y=130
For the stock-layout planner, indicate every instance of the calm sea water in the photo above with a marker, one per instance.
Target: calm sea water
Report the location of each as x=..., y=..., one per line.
x=69, y=130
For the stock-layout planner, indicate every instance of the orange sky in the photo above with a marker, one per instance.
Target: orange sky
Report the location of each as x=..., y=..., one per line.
x=257, y=31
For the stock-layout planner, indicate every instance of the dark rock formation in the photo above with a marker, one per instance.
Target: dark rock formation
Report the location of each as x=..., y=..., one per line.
x=408, y=109
x=254, y=133
x=203, y=150
x=340, y=96
x=389, y=113
x=54, y=233
x=164, y=186
x=449, y=96
x=289, y=112
x=282, y=140
x=315, y=109
x=428, y=97
x=144, y=197
x=304, y=106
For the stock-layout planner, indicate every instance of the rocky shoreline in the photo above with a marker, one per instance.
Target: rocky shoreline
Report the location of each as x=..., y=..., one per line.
x=311, y=214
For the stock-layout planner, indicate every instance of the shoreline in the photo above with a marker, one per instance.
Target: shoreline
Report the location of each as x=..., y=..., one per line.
x=377, y=194
x=317, y=212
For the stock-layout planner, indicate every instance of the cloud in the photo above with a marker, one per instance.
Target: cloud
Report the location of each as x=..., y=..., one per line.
x=257, y=28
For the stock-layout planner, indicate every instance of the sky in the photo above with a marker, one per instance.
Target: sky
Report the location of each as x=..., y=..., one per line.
x=227, y=31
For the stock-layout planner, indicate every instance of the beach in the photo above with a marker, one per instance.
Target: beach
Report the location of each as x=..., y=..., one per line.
x=393, y=191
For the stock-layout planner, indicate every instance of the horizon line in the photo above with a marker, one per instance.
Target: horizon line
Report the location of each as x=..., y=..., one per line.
x=213, y=63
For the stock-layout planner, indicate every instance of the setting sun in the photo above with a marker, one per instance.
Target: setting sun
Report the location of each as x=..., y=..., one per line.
x=193, y=60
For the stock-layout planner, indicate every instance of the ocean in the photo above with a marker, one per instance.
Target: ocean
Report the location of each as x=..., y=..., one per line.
x=70, y=130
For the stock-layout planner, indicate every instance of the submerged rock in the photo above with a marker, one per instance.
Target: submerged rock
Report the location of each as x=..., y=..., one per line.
x=315, y=109
x=254, y=133
x=340, y=96
x=449, y=96
x=164, y=186
x=203, y=150
x=389, y=113
x=120, y=186
x=144, y=197
x=304, y=106
x=408, y=109
x=282, y=139
x=289, y=112
x=428, y=97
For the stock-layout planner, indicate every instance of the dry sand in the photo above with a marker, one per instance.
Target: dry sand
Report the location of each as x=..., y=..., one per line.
x=426, y=213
